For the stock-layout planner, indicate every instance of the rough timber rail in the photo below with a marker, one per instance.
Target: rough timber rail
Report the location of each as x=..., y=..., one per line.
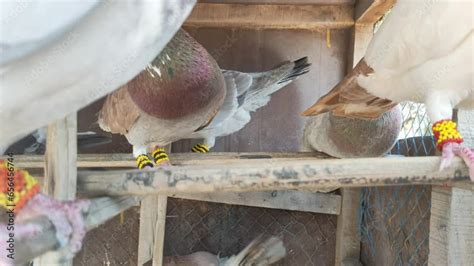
x=195, y=173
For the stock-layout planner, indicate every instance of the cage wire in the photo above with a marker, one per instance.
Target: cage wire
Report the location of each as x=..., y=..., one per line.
x=394, y=221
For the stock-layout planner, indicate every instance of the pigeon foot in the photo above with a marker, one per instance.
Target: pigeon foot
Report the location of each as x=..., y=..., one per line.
x=451, y=149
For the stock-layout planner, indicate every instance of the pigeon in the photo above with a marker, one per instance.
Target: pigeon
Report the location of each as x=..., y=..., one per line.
x=345, y=137
x=57, y=57
x=183, y=94
x=422, y=53
x=261, y=251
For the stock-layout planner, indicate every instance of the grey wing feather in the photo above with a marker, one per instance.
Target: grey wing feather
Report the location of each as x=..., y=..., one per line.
x=246, y=92
x=237, y=83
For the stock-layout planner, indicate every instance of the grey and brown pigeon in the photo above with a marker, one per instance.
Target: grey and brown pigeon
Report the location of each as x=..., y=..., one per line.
x=184, y=94
x=345, y=137
x=423, y=53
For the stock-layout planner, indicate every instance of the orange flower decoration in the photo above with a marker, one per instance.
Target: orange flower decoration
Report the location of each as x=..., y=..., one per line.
x=17, y=187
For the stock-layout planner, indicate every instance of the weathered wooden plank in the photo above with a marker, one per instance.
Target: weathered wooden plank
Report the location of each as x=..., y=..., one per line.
x=347, y=232
x=101, y=210
x=160, y=227
x=465, y=122
x=120, y=160
x=271, y=16
x=361, y=36
x=271, y=174
x=451, y=227
x=285, y=200
x=60, y=159
x=60, y=171
x=452, y=213
x=152, y=227
x=287, y=2
x=370, y=11
x=146, y=235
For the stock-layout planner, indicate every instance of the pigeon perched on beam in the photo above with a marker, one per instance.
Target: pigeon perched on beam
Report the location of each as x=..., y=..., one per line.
x=345, y=137
x=423, y=53
x=184, y=94
x=59, y=57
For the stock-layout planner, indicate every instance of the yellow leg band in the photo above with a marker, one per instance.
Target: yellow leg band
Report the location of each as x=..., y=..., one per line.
x=200, y=148
x=143, y=160
x=160, y=156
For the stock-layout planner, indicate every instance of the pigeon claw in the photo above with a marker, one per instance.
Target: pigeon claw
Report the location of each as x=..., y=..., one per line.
x=451, y=149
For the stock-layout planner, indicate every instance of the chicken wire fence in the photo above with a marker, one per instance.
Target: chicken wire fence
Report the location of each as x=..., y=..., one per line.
x=394, y=221
x=223, y=229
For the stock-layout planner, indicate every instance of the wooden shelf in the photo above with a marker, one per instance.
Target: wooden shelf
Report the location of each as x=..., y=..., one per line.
x=272, y=16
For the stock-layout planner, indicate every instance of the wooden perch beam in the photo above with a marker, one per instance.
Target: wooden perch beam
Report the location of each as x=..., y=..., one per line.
x=272, y=174
x=99, y=212
x=271, y=16
x=126, y=160
x=370, y=11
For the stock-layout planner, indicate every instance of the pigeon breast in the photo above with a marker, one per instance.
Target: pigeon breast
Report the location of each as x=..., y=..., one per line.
x=184, y=79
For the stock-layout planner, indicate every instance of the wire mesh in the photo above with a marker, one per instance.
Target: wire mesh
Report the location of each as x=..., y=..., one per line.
x=394, y=221
x=223, y=229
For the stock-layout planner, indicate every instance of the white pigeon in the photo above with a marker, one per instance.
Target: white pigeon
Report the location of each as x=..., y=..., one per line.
x=423, y=52
x=58, y=57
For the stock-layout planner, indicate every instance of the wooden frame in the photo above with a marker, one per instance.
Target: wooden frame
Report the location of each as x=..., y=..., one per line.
x=210, y=177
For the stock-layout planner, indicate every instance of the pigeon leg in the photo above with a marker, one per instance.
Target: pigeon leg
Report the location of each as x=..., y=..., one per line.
x=161, y=157
x=200, y=148
x=140, y=153
x=451, y=149
x=449, y=140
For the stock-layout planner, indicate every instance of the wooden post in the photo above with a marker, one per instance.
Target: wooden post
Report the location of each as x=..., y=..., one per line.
x=60, y=170
x=451, y=226
x=452, y=213
x=152, y=228
x=347, y=233
x=367, y=13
